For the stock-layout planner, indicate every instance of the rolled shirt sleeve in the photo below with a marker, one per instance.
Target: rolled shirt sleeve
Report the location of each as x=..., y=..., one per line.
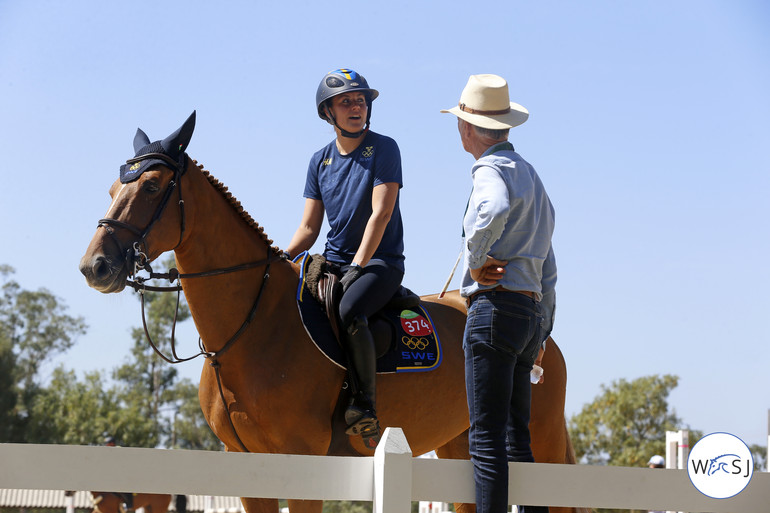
x=487, y=214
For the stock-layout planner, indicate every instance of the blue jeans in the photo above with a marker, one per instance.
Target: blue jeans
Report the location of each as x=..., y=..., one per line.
x=502, y=338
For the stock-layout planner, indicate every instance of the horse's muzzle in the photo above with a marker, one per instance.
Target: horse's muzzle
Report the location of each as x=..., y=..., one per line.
x=103, y=273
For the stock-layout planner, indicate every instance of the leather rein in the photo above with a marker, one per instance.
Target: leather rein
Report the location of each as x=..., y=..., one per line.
x=137, y=260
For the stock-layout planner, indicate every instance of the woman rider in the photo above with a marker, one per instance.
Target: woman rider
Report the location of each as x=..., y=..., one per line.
x=355, y=180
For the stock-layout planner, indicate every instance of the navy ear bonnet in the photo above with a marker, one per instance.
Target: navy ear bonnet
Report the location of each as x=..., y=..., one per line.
x=169, y=150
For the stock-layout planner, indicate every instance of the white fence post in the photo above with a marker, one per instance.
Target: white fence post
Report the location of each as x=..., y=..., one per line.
x=677, y=450
x=393, y=473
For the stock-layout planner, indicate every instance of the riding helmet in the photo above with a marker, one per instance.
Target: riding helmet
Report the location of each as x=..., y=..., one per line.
x=340, y=81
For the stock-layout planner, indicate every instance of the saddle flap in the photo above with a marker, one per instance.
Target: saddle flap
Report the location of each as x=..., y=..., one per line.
x=329, y=294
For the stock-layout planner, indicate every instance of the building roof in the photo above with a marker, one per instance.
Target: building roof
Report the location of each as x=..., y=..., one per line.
x=10, y=498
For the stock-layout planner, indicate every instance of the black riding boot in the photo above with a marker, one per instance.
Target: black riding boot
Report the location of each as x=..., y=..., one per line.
x=361, y=416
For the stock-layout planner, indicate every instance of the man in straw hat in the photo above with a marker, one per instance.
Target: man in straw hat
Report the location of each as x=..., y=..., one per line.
x=509, y=274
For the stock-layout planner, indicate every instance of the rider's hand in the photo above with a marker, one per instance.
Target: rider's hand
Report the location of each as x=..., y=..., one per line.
x=353, y=273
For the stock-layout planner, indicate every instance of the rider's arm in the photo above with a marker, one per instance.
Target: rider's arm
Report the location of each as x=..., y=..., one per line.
x=384, y=198
x=309, y=227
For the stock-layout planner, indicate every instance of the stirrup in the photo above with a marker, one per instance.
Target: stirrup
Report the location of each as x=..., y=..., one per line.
x=361, y=421
x=369, y=428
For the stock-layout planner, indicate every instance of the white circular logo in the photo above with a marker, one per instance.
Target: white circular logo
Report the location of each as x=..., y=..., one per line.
x=720, y=465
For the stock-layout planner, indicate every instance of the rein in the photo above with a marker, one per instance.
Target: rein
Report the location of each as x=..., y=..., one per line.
x=137, y=260
x=173, y=275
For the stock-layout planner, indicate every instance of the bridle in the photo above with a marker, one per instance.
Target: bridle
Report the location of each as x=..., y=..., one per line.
x=137, y=260
x=136, y=256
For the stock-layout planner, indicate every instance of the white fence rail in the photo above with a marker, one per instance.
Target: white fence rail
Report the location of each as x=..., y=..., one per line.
x=392, y=478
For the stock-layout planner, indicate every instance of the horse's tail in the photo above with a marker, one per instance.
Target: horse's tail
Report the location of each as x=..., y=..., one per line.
x=570, y=456
x=181, y=504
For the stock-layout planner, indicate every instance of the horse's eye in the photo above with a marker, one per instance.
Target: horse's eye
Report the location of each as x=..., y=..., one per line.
x=150, y=187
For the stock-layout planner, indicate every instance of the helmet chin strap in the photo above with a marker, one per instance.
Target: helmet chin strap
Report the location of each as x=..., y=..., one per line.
x=345, y=133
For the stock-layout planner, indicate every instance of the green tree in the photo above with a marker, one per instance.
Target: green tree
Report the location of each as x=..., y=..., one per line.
x=347, y=507
x=759, y=452
x=627, y=423
x=33, y=328
x=75, y=412
x=190, y=429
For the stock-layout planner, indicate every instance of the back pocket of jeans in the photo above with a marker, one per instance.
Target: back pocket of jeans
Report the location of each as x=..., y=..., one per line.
x=511, y=331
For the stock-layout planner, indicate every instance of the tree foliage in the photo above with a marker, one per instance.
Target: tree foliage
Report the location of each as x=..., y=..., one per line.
x=759, y=453
x=142, y=403
x=77, y=412
x=627, y=423
x=34, y=327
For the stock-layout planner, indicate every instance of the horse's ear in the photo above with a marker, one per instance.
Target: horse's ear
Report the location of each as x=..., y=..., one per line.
x=140, y=140
x=177, y=142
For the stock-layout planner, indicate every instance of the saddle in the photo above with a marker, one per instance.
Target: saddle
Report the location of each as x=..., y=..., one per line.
x=405, y=337
x=324, y=283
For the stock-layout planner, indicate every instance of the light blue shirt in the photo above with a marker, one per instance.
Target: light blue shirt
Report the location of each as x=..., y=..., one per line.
x=510, y=218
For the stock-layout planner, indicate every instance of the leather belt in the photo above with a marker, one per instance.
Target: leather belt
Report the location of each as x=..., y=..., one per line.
x=500, y=288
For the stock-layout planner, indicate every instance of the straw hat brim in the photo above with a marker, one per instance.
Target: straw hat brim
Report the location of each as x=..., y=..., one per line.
x=515, y=117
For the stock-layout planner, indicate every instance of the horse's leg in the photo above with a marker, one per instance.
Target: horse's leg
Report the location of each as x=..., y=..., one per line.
x=259, y=505
x=96, y=500
x=300, y=506
x=106, y=503
x=457, y=449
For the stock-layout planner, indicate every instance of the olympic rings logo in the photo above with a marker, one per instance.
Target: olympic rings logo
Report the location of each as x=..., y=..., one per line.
x=413, y=343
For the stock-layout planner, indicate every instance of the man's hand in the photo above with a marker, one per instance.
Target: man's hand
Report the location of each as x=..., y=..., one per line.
x=539, y=363
x=489, y=273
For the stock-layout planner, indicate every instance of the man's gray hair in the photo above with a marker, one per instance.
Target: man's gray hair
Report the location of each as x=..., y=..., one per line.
x=496, y=134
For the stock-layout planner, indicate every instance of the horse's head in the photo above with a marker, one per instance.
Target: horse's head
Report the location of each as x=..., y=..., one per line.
x=138, y=226
x=720, y=463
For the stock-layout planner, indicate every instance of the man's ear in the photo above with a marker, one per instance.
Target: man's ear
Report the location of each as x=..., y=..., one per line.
x=465, y=128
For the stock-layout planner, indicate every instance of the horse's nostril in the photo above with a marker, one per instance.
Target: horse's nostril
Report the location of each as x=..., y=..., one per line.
x=100, y=268
x=96, y=268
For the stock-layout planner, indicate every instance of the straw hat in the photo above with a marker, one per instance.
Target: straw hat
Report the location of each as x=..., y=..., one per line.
x=484, y=102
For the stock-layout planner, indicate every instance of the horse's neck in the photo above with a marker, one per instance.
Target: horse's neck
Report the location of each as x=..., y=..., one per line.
x=218, y=237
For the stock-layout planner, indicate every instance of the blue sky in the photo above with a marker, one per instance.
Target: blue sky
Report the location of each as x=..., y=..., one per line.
x=648, y=125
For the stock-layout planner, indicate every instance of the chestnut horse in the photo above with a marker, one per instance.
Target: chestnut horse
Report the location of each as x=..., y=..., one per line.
x=269, y=389
x=108, y=502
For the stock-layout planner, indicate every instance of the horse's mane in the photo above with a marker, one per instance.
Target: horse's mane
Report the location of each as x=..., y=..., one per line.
x=223, y=190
